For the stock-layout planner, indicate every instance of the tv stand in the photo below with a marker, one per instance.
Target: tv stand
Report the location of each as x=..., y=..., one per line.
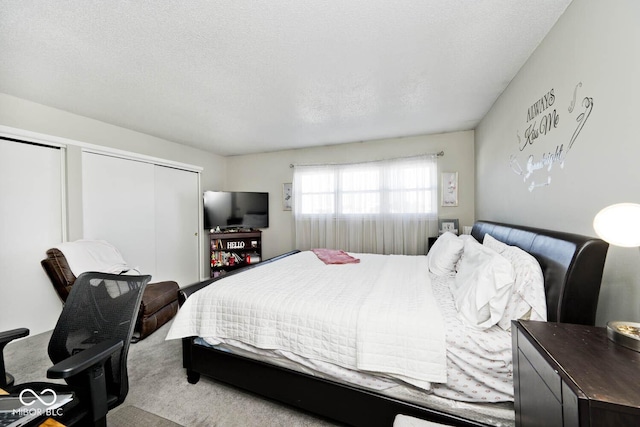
x=231, y=250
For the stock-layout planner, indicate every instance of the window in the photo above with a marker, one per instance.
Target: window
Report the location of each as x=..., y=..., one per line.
x=317, y=192
x=342, y=206
x=403, y=186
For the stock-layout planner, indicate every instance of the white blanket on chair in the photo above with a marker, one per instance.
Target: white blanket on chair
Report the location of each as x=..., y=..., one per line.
x=94, y=255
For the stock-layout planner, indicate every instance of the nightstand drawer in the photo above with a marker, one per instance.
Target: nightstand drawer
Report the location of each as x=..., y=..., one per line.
x=541, y=366
x=573, y=375
x=543, y=411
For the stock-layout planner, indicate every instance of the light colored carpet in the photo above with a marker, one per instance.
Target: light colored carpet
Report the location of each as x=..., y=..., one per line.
x=158, y=385
x=128, y=416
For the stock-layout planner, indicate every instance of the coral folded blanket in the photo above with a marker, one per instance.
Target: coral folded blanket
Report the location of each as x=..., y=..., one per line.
x=334, y=256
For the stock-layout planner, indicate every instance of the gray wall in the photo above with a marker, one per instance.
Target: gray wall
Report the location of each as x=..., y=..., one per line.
x=592, y=52
x=267, y=172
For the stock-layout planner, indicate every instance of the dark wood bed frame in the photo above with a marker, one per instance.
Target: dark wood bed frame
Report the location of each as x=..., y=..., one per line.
x=572, y=266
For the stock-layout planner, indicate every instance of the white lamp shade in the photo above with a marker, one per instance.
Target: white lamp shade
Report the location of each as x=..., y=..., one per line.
x=619, y=224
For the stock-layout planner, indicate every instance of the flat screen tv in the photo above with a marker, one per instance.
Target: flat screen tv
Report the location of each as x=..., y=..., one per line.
x=236, y=209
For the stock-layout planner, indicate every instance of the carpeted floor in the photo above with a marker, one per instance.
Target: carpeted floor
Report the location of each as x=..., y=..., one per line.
x=158, y=386
x=128, y=416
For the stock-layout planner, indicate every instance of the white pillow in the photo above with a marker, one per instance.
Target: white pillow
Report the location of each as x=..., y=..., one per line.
x=444, y=254
x=464, y=237
x=482, y=285
x=492, y=243
x=528, y=297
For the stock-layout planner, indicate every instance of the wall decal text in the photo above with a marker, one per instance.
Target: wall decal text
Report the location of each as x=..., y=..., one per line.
x=538, y=147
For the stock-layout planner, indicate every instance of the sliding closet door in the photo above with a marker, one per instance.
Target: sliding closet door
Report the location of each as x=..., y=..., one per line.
x=177, y=207
x=118, y=200
x=30, y=223
x=149, y=212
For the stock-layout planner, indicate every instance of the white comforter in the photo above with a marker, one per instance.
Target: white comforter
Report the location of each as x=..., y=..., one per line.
x=378, y=315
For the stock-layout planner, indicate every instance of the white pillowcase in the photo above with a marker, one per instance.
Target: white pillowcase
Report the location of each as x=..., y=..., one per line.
x=482, y=286
x=528, y=299
x=491, y=242
x=444, y=254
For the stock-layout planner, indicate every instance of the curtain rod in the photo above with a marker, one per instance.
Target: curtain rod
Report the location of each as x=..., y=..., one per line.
x=438, y=154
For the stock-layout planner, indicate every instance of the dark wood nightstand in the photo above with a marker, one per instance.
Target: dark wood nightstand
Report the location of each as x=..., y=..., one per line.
x=573, y=375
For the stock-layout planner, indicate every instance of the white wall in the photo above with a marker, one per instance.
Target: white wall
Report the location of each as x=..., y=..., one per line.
x=267, y=172
x=593, y=51
x=22, y=114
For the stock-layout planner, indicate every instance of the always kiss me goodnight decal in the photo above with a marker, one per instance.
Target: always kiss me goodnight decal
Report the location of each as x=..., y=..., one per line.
x=546, y=140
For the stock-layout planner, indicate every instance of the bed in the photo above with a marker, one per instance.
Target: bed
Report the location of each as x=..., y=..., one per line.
x=571, y=268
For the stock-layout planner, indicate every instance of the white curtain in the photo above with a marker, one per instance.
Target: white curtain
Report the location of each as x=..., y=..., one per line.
x=384, y=207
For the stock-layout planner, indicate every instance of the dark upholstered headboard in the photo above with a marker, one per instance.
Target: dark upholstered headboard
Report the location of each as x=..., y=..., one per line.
x=571, y=264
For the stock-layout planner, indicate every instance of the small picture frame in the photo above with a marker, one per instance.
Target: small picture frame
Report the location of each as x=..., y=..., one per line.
x=287, y=196
x=447, y=224
x=449, y=188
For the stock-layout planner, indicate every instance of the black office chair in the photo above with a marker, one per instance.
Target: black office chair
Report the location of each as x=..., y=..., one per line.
x=89, y=346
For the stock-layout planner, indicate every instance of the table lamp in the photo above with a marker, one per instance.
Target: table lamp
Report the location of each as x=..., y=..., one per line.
x=619, y=225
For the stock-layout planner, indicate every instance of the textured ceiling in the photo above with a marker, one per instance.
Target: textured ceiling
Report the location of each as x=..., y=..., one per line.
x=243, y=76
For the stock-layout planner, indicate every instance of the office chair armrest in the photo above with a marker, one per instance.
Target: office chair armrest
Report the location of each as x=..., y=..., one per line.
x=89, y=365
x=80, y=362
x=7, y=336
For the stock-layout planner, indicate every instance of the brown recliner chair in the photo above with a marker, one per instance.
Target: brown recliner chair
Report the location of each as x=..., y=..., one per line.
x=159, y=300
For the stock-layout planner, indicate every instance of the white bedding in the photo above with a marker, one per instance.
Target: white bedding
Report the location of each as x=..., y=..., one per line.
x=479, y=367
x=478, y=363
x=379, y=315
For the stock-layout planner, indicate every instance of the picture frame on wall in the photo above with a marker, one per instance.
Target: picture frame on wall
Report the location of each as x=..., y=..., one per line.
x=448, y=224
x=287, y=196
x=449, y=188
